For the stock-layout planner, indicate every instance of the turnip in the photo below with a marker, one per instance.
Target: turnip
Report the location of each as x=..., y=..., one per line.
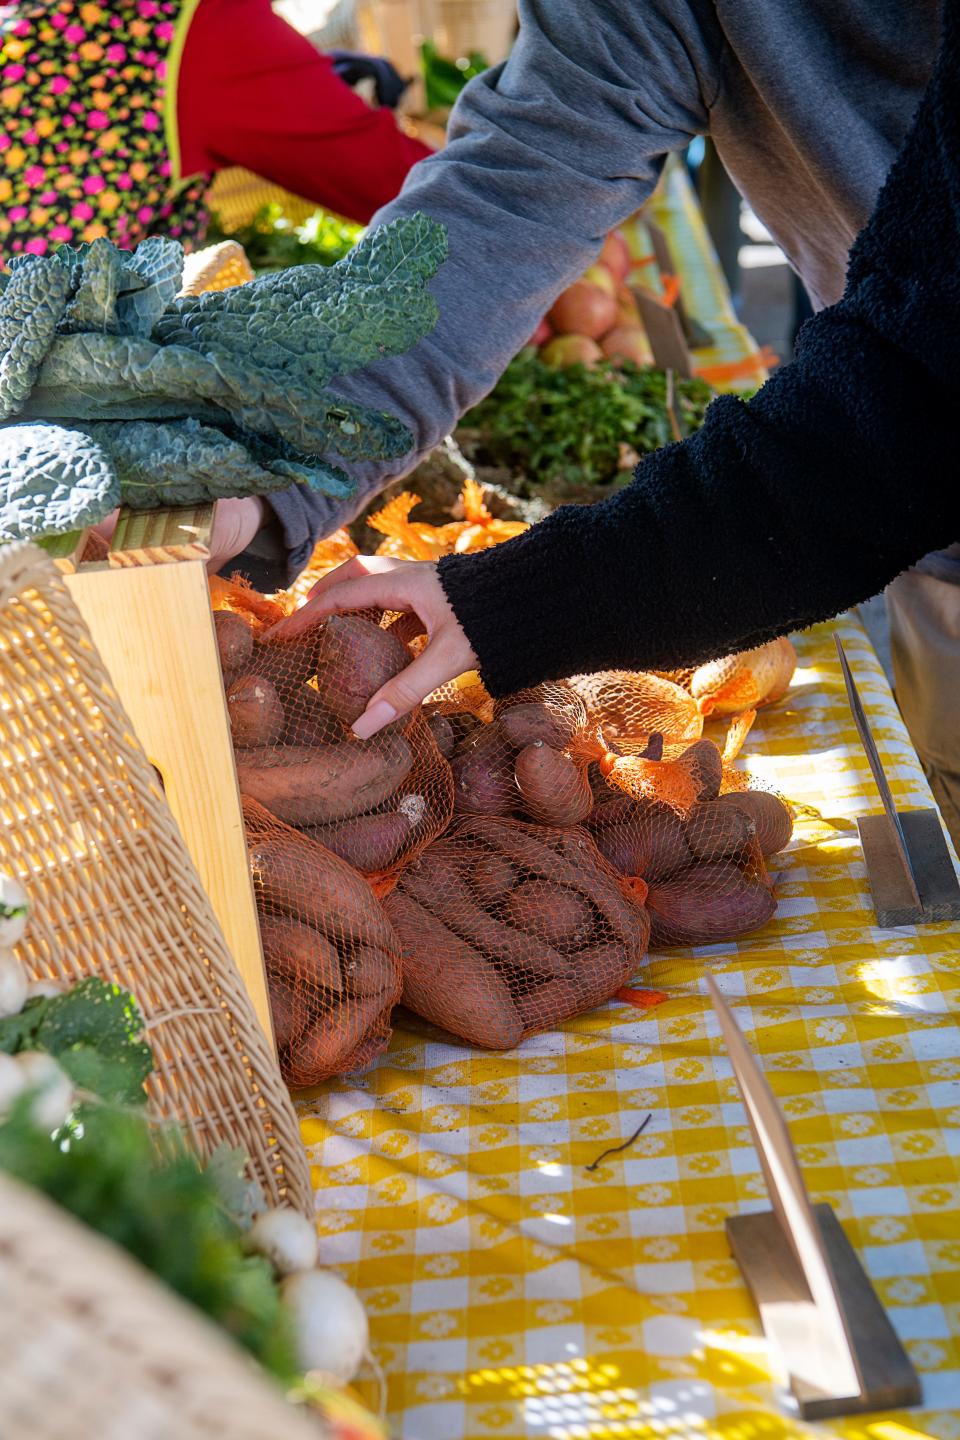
x=12, y=1084
x=330, y=1324
x=13, y=984
x=53, y=1097
x=286, y=1239
x=14, y=908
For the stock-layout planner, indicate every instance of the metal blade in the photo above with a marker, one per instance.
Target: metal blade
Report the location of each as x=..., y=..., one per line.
x=869, y=745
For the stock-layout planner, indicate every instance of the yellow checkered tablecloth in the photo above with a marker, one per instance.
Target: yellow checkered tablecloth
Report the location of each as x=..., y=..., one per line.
x=514, y=1293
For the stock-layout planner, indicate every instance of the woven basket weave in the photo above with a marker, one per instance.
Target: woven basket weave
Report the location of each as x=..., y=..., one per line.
x=94, y=1348
x=85, y=827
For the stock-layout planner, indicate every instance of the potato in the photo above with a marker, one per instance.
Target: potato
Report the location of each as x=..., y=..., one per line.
x=554, y=789
x=715, y=831
x=491, y=877
x=550, y=912
x=443, y=733
x=770, y=816
x=525, y=724
x=256, y=715
x=371, y=843
x=345, y=1039
x=305, y=785
x=299, y=877
x=483, y=774
x=234, y=641
x=704, y=764
x=300, y=953
x=448, y=982
x=287, y=1009
x=708, y=902
x=369, y=971
x=354, y=659
x=645, y=838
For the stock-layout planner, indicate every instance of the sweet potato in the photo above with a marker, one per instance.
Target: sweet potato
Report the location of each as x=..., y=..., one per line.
x=355, y=658
x=715, y=831
x=601, y=973
x=287, y=1009
x=770, y=816
x=334, y=1042
x=435, y=882
x=448, y=982
x=554, y=789
x=491, y=877
x=369, y=971
x=443, y=733
x=640, y=837
x=308, y=721
x=300, y=953
x=299, y=877
x=287, y=664
x=305, y=785
x=550, y=912
x=708, y=902
x=704, y=764
x=256, y=714
x=371, y=843
x=527, y=723
x=482, y=767
x=234, y=641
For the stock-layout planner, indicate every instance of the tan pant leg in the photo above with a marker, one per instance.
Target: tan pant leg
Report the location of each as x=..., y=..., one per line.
x=925, y=643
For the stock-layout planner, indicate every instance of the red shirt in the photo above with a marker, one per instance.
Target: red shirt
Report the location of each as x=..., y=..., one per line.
x=253, y=92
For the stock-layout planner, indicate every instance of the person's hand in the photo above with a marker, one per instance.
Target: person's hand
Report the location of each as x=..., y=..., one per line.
x=235, y=523
x=374, y=582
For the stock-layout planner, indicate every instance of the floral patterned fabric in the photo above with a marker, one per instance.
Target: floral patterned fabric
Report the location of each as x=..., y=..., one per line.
x=85, y=150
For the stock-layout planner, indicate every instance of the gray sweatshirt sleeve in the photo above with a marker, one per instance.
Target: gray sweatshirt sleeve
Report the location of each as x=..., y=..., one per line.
x=545, y=155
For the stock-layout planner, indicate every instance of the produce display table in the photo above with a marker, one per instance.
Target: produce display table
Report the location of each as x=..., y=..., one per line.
x=515, y=1292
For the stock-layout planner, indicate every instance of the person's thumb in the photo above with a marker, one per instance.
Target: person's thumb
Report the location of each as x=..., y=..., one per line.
x=440, y=662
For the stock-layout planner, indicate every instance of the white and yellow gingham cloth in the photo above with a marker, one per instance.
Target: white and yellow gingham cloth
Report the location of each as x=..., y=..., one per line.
x=514, y=1292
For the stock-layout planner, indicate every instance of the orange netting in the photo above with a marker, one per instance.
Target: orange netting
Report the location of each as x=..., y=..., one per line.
x=408, y=539
x=505, y=863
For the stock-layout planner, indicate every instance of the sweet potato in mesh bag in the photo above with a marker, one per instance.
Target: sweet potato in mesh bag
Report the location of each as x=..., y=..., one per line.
x=506, y=928
x=332, y=957
x=700, y=852
x=291, y=703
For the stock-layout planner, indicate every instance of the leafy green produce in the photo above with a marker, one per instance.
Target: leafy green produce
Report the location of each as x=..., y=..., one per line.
x=444, y=79
x=200, y=397
x=161, y=1206
x=273, y=242
x=577, y=425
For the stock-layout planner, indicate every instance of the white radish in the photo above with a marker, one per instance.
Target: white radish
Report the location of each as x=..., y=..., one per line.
x=53, y=1098
x=12, y=1084
x=14, y=908
x=13, y=984
x=286, y=1238
x=330, y=1324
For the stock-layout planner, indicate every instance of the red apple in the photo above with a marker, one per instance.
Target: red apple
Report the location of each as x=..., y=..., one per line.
x=615, y=255
x=600, y=276
x=570, y=350
x=627, y=342
x=583, y=310
x=541, y=335
x=628, y=312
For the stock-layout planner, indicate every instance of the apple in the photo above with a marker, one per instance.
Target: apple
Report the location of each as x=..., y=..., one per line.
x=627, y=342
x=615, y=255
x=600, y=276
x=583, y=309
x=565, y=350
x=542, y=333
x=628, y=312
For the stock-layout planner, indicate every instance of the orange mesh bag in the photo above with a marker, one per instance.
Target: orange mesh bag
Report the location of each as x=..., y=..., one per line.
x=745, y=681
x=408, y=539
x=348, y=814
x=507, y=928
x=328, y=554
x=629, y=706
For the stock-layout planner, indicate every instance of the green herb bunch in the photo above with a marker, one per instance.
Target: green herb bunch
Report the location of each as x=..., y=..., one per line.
x=273, y=242
x=578, y=425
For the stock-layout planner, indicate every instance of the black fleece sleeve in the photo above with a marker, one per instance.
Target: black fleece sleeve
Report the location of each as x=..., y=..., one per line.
x=840, y=473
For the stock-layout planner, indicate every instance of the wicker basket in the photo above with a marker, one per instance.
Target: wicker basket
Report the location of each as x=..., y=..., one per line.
x=85, y=827
x=94, y=1348
x=218, y=267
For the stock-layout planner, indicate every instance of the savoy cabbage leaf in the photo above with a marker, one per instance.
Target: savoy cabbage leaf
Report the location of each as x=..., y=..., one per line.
x=52, y=480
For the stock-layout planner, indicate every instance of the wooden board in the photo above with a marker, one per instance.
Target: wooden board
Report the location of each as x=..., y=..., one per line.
x=157, y=537
x=153, y=626
x=788, y=1314
x=665, y=334
x=932, y=868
